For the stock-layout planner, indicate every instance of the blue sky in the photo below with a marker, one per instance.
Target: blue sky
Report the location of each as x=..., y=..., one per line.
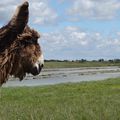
x=73, y=29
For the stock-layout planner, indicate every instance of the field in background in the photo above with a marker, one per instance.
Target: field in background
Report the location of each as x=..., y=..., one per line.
x=79, y=101
x=75, y=64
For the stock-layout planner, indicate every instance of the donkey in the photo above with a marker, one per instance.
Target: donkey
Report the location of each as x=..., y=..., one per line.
x=20, y=53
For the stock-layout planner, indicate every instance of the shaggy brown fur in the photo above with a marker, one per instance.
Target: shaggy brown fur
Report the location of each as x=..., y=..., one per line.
x=19, y=48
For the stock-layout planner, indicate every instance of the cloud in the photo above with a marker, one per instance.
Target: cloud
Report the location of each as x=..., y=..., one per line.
x=6, y=9
x=94, y=9
x=43, y=13
x=74, y=43
x=65, y=38
x=40, y=11
x=71, y=28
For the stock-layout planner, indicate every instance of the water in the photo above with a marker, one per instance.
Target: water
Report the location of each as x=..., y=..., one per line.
x=66, y=75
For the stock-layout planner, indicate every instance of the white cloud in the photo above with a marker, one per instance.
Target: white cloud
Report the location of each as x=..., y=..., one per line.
x=118, y=33
x=73, y=43
x=79, y=37
x=71, y=28
x=42, y=14
x=6, y=10
x=40, y=11
x=95, y=9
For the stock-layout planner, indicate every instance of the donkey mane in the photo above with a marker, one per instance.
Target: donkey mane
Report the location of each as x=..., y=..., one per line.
x=13, y=37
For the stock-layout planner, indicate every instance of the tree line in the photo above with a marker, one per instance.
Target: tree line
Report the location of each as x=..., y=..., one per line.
x=85, y=60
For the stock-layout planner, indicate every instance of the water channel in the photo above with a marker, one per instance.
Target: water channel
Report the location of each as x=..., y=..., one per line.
x=66, y=75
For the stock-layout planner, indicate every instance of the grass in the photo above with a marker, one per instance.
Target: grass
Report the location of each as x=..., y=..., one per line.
x=79, y=101
x=70, y=64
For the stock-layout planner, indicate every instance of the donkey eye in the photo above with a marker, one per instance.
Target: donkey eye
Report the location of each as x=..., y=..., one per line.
x=29, y=41
x=26, y=42
x=34, y=41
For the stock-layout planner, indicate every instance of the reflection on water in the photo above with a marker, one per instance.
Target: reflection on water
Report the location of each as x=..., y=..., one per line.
x=64, y=75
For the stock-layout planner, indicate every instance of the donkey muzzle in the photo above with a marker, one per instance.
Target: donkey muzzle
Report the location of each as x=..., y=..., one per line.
x=38, y=65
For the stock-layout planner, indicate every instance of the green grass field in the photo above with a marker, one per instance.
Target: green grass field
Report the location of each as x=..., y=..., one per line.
x=78, y=64
x=79, y=101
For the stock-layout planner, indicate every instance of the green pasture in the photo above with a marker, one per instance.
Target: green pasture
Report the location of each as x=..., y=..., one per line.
x=79, y=101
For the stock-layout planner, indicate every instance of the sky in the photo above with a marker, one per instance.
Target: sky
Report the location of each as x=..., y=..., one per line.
x=72, y=29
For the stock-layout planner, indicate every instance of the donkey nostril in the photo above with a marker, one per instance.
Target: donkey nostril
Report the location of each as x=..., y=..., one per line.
x=42, y=65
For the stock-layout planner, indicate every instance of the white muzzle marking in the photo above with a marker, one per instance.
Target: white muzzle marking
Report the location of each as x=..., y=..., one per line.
x=39, y=62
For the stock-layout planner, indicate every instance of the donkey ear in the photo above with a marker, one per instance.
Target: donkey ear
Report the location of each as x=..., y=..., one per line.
x=15, y=27
x=20, y=18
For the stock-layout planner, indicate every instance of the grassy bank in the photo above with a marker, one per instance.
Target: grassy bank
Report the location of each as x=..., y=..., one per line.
x=79, y=101
x=70, y=64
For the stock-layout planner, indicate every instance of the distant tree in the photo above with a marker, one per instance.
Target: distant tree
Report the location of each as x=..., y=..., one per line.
x=111, y=61
x=82, y=60
x=94, y=60
x=66, y=60
x=116, y=60
x=101, y=60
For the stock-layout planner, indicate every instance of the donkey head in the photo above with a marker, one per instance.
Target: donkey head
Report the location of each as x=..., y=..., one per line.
x=28, y=54
x=20, y=52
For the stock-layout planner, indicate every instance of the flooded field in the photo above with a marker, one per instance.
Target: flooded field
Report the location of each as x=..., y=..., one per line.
x=65, y=75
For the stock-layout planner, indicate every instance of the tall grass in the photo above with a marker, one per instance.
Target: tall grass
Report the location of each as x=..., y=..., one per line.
x=79, y=101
